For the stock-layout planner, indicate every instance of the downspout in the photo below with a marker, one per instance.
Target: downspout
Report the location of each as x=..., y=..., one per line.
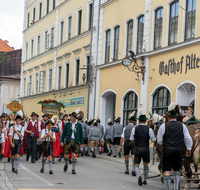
x=88, y=104
x=95, y=88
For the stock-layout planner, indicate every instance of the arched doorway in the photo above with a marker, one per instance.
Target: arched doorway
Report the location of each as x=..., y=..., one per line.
x=108, y=104
x=185, y=95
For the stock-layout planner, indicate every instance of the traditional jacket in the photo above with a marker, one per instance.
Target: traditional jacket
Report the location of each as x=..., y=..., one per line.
x=67, y=133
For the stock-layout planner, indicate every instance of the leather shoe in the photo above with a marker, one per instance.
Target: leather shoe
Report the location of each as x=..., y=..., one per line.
x=73, y=172
x=16, y=172
x=42, y=170
x=126, y=172
x=140, y=181
x=65, y=168
x=13, y=169
x=133, y=173
x=144, y=182
x=50, y=172
x=33, y=161
x=114, y=156
x=27, y=159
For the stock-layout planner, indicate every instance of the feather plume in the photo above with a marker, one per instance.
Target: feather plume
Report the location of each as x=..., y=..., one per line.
x=140, y=112
x=109, y=120
x=132, y=114
x=171, y=106
x=116, y=117
x=78, y=110
x=85, y=120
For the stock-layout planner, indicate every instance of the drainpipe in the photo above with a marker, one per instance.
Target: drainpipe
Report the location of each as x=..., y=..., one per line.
x=88, y=104
x=96, y=61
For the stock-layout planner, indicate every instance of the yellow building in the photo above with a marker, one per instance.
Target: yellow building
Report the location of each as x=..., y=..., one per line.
x=165, y=36
x=56, y=53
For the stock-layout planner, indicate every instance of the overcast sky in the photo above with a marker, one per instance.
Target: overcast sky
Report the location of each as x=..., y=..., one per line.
x=11, y=19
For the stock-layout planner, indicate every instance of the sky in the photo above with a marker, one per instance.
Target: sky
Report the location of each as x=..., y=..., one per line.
x=11, y=22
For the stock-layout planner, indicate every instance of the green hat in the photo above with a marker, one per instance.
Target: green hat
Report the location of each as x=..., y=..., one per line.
x=80, y=117
x=132, y=117
x=142, y=118
x=172, y=113
x=117, y=119
x=73, y=114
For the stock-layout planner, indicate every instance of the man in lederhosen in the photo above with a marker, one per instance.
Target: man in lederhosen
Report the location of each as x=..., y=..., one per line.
x=73, y=135
x=172, y=136
x=128, y=145
x=141, y=135
x=102, y=132
x=85, y=133
x=107, y=136
x=16, y=146
x=33, y=132
x=116, y=136
x=62, y=124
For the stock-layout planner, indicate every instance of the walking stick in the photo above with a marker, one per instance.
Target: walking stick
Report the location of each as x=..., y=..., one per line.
x=13, y=128
x=50, y=116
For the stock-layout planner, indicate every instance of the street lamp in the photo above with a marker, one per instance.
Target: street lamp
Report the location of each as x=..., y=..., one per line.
x=130, y=62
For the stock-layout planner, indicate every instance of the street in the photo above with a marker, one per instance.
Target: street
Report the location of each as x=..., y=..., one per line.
x=92, y=173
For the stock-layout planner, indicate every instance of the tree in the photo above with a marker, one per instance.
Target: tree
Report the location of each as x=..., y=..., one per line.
x=3, y=57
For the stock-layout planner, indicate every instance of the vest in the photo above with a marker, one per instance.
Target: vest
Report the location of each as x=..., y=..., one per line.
x=63, y=125
x=141, y=136
x=33, y=129
x=173, y=137
x=127, y=132
x=42, y=125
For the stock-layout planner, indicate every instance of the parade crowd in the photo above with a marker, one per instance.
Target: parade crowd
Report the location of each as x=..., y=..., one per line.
x=72, y=137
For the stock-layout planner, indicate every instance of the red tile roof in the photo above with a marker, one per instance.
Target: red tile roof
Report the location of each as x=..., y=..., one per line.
x=4, y=47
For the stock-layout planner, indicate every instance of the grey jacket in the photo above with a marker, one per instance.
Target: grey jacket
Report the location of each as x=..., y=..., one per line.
x=101, y=129
x=116, y=130
x=88, y=129
x=85, y=129
x=108, y=131
x=95, y=134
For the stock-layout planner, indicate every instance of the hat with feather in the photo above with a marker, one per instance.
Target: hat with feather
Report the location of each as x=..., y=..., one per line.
x=171, y=110
x=95, y=123
x=142, y=116
x=132, y=116
x=110, y=122
x=98, y=120
x=117, y=119
x=75, y=114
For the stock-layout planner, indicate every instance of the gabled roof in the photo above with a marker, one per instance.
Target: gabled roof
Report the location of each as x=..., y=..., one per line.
x=4, y=47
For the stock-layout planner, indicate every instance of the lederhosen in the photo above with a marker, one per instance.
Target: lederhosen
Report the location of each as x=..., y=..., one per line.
x=50, y=146
x=17, y=143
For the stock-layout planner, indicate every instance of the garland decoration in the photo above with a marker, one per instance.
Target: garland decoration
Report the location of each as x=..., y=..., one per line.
x=52, y=100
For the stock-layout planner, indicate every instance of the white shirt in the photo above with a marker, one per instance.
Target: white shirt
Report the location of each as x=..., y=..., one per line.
x=73, y=129
x=33, y=123
x=187, y=138
x=122, y=136
x=151, y=134
x=44, y=132
x=7, y=125
x=2, y=139
x=60, y=125
x=19, y=128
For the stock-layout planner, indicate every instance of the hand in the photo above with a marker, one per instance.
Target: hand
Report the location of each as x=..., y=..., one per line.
x=81, y=145
x=12, y=145
x=188, y=153
x=6, y=138
x=39, y=140
x=49, y=134
x=29, y=132
x=120, y=148
x=61, y=144
x=112, y=140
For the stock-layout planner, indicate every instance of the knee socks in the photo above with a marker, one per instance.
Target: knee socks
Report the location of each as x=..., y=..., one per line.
x=176, y=176
x=108, y=149
x=66, y=161
x=115, y=151
x=16, y=163
x=74, y=161
x=126, y=165
x=43, y=164
x=133, y=166
x=167, y=182
x=137, y=171
x=146, y=171
x=12, y=163
x=50, y=165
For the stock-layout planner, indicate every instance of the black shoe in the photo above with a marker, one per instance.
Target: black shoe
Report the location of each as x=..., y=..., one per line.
x=93, y=154
x=27, y=159
x=115, y=156
x=144, y=182
x=109, y=154
x=8, y=159
x=88, y=154
x=126, y=172
x=41, y=170
x=73, y=172
x=81, y=153
x=59, y=159
x=133, y=173
x=16, y=172
x=13, y=169
x=100, y=152
x=70, y=162
x=50, y=172
x=119, y=154
x=33, y=161
x=140, y=181
x=65, y=168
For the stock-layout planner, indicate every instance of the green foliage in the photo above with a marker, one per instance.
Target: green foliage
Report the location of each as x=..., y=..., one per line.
x=52, y=100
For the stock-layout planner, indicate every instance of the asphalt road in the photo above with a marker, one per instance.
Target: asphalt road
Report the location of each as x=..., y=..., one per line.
x=91, y=174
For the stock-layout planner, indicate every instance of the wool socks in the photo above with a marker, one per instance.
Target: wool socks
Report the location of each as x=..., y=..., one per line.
x=167, y=182
x=127, y=165
x=43, y=164
x=133, y=166
x=176, y=176
x=16, y=163
x=146, y=171
x=12, y=163
x=137, y=171
x=74, y=161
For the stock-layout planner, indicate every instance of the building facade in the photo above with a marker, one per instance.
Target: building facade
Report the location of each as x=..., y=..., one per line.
x=165, y=36
x=56, y=53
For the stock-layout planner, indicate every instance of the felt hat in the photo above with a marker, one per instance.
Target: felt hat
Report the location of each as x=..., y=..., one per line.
x=74, y=114
x=142, y=116
x=110, y=122
x=132, y=117
x=18, y=117
x=117, y=119
x=33, y=114
x=80, y=117
x=45, y=115
x=98, y=120
x=95, y=123
x=3, y=115
x=171, y=110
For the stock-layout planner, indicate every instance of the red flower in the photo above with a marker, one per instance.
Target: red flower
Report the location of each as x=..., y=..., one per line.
x=166, y=113
x=46, y=101
x=54, y=100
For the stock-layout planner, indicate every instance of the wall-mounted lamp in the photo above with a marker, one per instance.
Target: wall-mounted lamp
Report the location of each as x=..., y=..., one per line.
x=150, y=78
x=55, y=96
x=137, y=79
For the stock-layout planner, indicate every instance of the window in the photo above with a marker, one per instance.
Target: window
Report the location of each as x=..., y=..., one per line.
x=34, y=14
x=129, y=36
x=24, y=87
x=116, y=43
x=32, y=44
x=28, y=17
x=69, y=27
x=158, y=28
x=59, y=77
x=38, y=46
x=161, y=100
x=47, y=7
x=107, y=53
x=79, y=21
x=42, y=81
x=140, y=35
x=88, y=67
x=40, y=10
x=50, y=79
x=77, y=71
x=190, y=19
x=61, y=31
x=90, y=16
x=46, y=41
x=36, y=83
x=52, y=38
x=67, y=75
x=26, y=51
x=130, y=105
x=30, y=85
x=173, y=23
x=54, y=4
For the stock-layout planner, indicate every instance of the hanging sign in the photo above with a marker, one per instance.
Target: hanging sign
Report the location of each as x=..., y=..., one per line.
x=14, y=106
